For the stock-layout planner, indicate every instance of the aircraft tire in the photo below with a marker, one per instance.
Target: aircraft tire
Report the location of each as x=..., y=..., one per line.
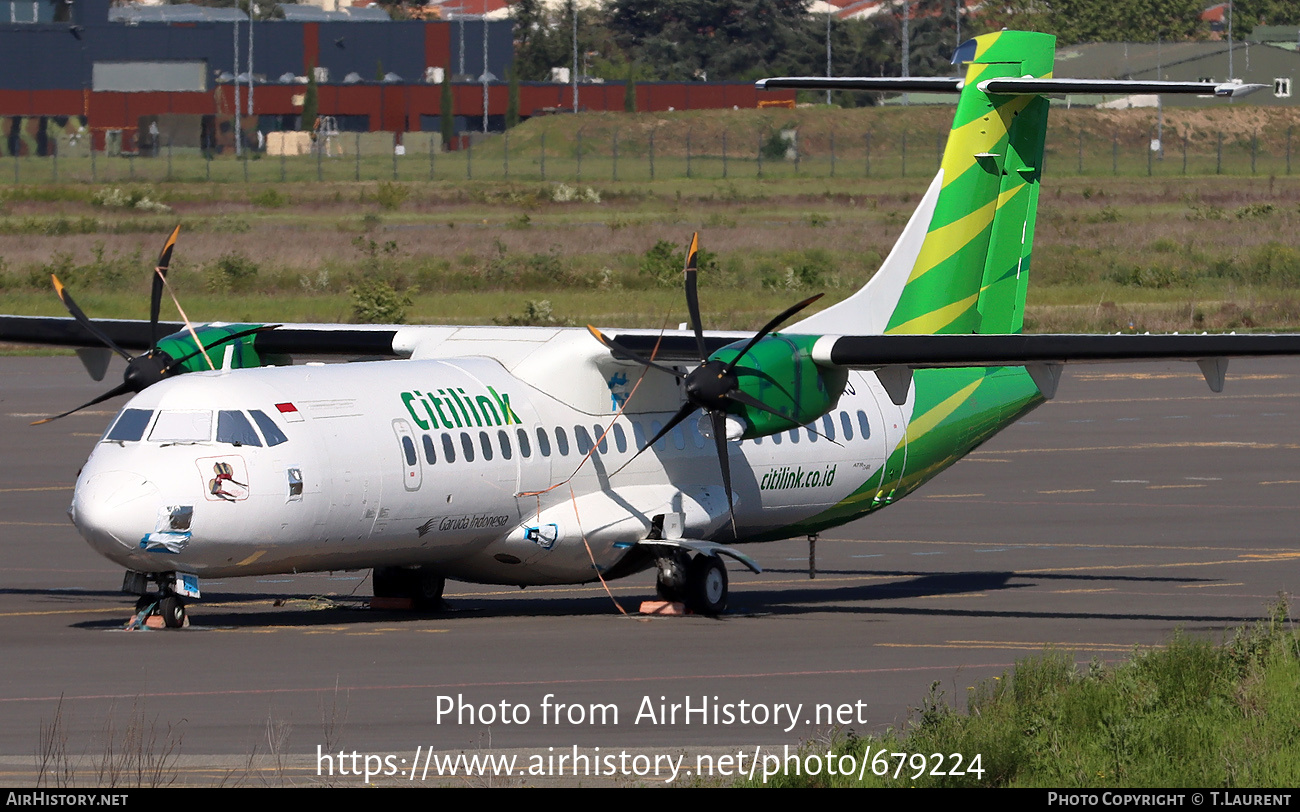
x=706, y=585
x=172, y=609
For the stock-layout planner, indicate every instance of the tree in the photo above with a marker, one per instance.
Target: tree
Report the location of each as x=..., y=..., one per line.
x=310, y=102
x=1249, y=13
x=512, y=100
x=445, y=111
x=629, y=90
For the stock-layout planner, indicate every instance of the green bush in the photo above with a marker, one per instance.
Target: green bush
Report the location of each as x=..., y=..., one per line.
x=374, y=301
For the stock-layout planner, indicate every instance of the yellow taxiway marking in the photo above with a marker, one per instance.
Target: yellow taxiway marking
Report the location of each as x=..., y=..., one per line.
x=251, y=558
x=46, y=488
x=1282, y=482
x=1205, y=586
x=982, y=459
x=952, y=495
x=34, y=524
x=1072, y=490
x=1218, y=398
x=1149, y=447
x=1078, y=591
x=1169, y=487
x=1050, y=545
x=994, y=644
x=1158, y=376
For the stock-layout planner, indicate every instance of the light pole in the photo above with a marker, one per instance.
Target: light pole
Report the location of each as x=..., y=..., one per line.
x=573, y=4
x=829, y=7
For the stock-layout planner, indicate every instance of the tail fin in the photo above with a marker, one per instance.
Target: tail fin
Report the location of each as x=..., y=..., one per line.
x=962, y=263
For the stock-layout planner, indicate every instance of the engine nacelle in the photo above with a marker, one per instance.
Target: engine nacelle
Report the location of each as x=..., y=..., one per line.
x=780, y=372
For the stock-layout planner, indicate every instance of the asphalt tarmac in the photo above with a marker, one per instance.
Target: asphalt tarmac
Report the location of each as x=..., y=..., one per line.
x=1136, y=504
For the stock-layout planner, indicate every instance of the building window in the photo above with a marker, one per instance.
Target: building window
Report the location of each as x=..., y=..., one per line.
x=1282, y=88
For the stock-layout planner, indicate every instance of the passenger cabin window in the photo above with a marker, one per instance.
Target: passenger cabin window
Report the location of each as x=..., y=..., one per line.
x=130, y=425
x=620, y=438
x=583, y=439
x=485, y=443
x=408, y=449
x=234, y=428
x=448, y=448
x=429, y=455
x=828, y=427
x=182, y=426
x=269, y=429
x=561, y=442
x=846, y=423
x=543, y=442
x=602, y=438
x=467, y=445
x=503, y=437
x=524, y=449
x=864, y=425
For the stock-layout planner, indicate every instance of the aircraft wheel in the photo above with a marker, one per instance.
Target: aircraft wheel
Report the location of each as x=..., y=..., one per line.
x=172, y=609
x=427, y=590
x=706, y=585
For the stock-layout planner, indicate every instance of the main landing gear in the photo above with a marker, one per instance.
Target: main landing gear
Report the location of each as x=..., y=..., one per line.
x=698, y=580
x=420, y=585
x=167, y=602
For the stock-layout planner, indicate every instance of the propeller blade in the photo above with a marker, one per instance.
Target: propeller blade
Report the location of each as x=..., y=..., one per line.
x=120, y=389
x=174, y=365
x=619, y=348
x=159, y=276
x=772, y=325
x=692, y=295
x=755, y=403
x=89, y=325
x=719, y=421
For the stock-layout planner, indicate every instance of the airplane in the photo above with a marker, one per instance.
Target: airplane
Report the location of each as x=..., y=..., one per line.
x=531, y=456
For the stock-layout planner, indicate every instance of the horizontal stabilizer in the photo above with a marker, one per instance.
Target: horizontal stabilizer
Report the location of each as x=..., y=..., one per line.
x=884, y=84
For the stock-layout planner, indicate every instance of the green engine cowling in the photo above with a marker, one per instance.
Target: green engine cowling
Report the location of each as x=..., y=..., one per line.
x=780, y=372
x=242, y=351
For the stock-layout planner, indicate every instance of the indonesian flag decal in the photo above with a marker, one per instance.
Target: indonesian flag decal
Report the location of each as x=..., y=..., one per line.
x=289, y=412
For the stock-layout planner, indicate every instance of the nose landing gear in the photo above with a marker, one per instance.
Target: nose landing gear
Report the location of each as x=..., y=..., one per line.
x=167, y=602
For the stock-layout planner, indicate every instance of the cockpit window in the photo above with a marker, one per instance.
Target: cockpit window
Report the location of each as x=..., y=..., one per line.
x=130, y=425
x=269, y=429
x=182, y=426
x=234, y=428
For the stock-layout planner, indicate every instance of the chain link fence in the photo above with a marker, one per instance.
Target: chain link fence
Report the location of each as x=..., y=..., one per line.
x=641, y=154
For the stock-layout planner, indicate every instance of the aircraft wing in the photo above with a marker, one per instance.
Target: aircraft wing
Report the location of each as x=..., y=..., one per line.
x=894, y=357
x=288, y=339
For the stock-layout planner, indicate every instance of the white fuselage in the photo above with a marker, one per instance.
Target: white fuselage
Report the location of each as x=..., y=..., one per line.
x=454, y=463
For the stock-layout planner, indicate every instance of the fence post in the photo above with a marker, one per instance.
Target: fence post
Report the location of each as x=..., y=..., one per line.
x=94, y=176
x=394, y=155
x=1254, y=149
x=469, y=157
x=1080, y=171
x=688, y=153
x=832, y=155
x=724, y=153
x=903, y=172
x=760, y=155
x=505, y=154
x=207, y=165
x=543, y=156
x=868, y=138
x=356, y=156
x=432, y=150
x=578, y=152
x=15, y=167
x=1218, y=156
x=615, y=171
x=1184, y=153
x=1114, y=153
x=55, y=164
x=1288, y=150
x=130, y=162
x=282, y=160
x=797, y=152
x=319, y=169
x=652, y=155
x=1149, y=151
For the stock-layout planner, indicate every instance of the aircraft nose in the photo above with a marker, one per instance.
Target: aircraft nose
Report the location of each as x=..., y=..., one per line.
x=115, y=508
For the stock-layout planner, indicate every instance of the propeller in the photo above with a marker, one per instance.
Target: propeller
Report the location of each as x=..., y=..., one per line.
x=714, y=385
x=148, y=368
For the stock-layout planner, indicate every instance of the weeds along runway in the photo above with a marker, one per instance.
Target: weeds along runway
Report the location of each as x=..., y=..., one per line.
x=1136, y=504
